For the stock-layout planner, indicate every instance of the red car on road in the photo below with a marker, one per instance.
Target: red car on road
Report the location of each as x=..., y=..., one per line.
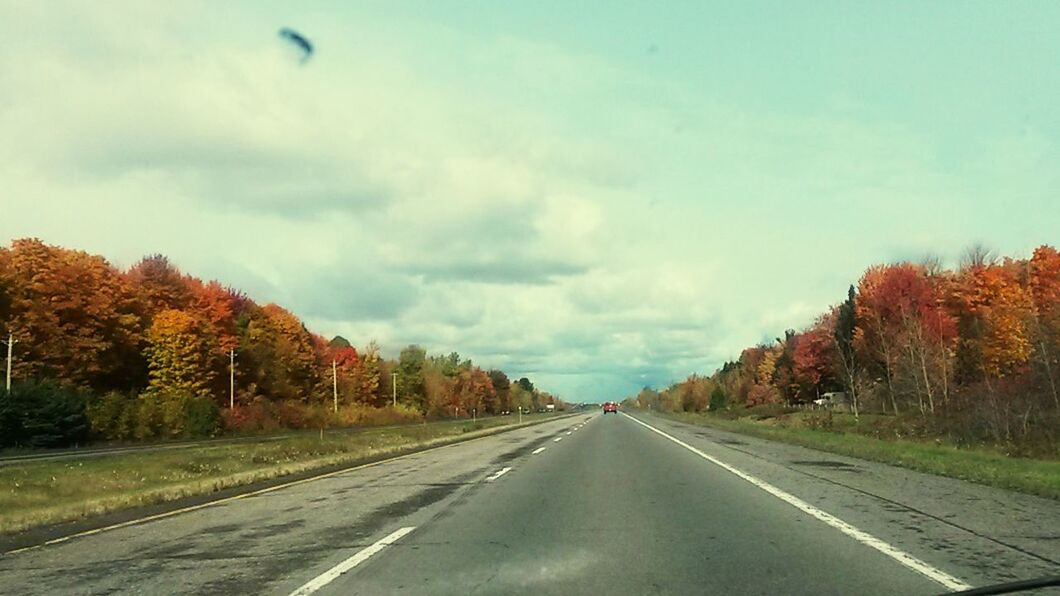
x=610, y=407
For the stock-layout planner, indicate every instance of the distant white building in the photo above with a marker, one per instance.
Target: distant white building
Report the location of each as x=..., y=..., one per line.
x=833, y=400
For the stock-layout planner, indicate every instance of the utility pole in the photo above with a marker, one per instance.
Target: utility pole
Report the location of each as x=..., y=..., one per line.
x=334, y=385
x=393, y=385
x=11, y=341
x=231, y=378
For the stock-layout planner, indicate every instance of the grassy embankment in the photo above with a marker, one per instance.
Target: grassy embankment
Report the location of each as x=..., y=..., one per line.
x=845, y=436
x=40, y=493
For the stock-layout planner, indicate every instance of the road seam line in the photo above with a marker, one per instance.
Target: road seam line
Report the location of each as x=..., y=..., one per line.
x=362, y=555
x=536, y=451
x=937, y=575
x=498, y=474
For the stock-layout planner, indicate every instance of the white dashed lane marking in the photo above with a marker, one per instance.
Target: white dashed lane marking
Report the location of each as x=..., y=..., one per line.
x=362, y=555
x=498, y=474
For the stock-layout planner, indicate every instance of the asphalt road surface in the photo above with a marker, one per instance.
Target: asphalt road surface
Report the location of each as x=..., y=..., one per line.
x=596, y=504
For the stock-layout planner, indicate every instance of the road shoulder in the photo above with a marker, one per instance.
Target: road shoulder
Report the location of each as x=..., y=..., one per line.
x=978, y=532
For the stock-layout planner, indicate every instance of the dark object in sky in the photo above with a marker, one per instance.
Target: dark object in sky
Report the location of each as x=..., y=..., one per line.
x=299, y=40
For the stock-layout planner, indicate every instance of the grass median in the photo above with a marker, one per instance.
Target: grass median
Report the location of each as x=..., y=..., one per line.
x=981, y=465
x=34, y=494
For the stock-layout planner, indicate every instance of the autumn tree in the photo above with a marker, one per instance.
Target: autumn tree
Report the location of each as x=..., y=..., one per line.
x=438, y=391
x=648, y=398
x=521, y=397
x=815, y=358
x=160, y=285
x=1044, y=282
x=277, y=355
x=371, y=370
x=784, y=367
x=348, y=370
x=695, y=393
x=83, y=324
x=216, y=305
x=474, y=392
x=73, y=315
x=996, y=309
x=182, y=356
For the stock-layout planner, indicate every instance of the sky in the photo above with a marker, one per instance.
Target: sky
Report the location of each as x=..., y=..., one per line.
x=598, y=195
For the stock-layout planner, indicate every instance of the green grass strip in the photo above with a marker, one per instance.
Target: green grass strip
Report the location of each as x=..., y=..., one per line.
x=1032, y=476
x=47, y=492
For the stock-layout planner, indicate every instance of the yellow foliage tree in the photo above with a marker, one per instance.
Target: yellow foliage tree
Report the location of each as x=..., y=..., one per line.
x=182, y=354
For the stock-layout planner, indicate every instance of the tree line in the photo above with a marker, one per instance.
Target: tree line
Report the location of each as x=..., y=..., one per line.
x=971, y=352
x=152, y=352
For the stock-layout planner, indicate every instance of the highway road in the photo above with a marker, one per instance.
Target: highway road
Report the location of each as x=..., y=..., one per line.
x=594, y=504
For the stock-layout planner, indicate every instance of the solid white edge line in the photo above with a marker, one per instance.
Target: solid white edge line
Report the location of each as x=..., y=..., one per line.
x=943, y=578
x=498, y=474
x=362, y=555
x=557, y=439
x=536, y=451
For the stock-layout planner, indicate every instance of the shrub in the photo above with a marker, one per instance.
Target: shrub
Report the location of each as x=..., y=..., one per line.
x=391, y=415
x=256, y=416
x=43, y=414
x=112, y=416
x=172, y=407
x=201, y=417
x=718, y=399
x=293, y=415
x=150, y=416
x=765, y=411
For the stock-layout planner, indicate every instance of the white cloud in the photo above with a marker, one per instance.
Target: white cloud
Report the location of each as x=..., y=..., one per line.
x=547, y=210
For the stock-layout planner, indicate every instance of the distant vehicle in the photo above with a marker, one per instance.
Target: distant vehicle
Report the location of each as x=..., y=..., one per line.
x=550, y=408
x=610, y=407
x=833, y=400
